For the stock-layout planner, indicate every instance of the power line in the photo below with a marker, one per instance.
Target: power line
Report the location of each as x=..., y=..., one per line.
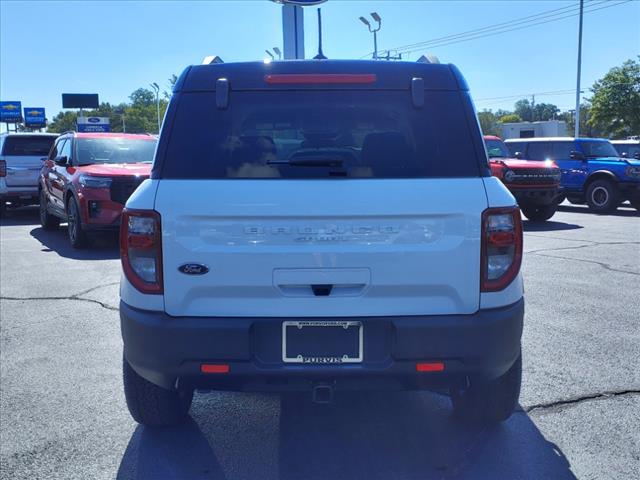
x=466, y=39
x=504, y=27
x=516, y=21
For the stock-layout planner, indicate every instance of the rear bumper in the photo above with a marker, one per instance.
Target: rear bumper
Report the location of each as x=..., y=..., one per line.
x=535, y=195
x=18, y=194
x=170, y=350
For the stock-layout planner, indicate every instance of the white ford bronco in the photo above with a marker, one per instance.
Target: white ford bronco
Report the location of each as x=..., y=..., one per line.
x=319, y=226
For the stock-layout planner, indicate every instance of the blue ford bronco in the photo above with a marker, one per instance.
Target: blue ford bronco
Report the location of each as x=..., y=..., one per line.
x=592, y=171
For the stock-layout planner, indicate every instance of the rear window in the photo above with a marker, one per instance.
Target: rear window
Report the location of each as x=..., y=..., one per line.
x=27, y=146
x=496, y=148
x=328, y=134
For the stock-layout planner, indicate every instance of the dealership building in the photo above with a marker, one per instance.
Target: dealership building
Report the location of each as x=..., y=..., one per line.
x=549, y=128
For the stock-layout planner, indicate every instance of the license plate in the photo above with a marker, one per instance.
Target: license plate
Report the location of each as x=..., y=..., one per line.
x=322, y=342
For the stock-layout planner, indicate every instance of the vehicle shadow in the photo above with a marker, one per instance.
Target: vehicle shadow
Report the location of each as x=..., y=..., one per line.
x=20, y=216
x=548, y=226
x=102, y=247
x=359, y=436
x=623, y=211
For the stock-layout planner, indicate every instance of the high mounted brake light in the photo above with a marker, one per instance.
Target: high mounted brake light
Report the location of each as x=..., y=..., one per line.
x=319, y=79
x=501, y=248
x=141, y=249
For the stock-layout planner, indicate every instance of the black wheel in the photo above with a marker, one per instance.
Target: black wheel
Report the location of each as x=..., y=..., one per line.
x=151, y=405
x=47, y=221
x=492, y=401
x=603, y=196
x=77, y=236
x=539, y=213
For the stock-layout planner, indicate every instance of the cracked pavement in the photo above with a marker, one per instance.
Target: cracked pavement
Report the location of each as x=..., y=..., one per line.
x=62, y=411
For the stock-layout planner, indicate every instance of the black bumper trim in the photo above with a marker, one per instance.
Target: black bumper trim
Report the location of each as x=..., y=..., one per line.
x=165, y=349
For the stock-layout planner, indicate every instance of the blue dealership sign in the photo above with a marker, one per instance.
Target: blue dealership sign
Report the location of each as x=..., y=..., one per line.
x=34, y=117
x=10, y=112
x=93, y=124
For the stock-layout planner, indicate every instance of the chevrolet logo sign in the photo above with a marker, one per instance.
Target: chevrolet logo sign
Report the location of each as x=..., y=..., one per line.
x=10, y=106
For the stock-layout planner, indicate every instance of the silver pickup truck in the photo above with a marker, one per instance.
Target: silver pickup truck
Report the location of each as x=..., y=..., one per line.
x=21, y=157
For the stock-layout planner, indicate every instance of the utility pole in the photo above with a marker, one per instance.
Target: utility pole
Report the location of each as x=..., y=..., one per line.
x=577, y=126
x=156, y=88
x=533, y=107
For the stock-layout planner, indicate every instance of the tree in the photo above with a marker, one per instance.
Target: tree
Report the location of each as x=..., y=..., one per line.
x=143, y=97
x=545, y=111
x=63, y=122
x=510, y=118
x=523, y=109
x=488, y=123
x=587, y=129
x=615, y=104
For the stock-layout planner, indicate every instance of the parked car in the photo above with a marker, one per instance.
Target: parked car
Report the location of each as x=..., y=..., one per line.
x=88, y=177
x=535, y=184
x=318, y=226
x=21, y=156
x=592, y=171
x=627, y=148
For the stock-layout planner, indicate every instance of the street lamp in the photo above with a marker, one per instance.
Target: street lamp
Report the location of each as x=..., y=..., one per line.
x=156, y=88
x=378, y=20
x=278, y=52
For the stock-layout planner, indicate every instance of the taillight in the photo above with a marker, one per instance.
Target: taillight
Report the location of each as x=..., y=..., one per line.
x=3, y=168
x=141, y=249
x=501, y=245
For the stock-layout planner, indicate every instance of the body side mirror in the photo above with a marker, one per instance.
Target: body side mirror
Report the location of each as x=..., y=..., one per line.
x=63, y=160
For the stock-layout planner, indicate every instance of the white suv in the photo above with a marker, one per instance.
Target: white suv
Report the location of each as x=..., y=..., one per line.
x=318, y=226
x=21, y=158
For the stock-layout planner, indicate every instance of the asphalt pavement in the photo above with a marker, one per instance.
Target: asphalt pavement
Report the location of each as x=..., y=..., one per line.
x=63, y=414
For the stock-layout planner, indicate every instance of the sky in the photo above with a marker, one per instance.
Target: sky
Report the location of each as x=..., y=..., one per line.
x=114, y=47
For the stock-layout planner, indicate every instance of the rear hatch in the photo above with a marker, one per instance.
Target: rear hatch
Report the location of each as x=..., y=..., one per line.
x=23, y=155
x=312, y=202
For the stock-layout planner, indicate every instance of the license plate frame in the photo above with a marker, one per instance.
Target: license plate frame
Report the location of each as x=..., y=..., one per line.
x=323, y=360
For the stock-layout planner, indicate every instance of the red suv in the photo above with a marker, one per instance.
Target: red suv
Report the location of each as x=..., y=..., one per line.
x=88, y=177
x=535, y=184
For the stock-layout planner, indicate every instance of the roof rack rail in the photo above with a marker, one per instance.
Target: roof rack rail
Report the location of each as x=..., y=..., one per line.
x=429, y=58
x=208, y=60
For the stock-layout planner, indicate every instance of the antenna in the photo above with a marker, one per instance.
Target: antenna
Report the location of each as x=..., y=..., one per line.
x=320, y=55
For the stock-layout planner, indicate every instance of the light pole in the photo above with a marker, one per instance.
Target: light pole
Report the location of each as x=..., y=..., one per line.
x=156, y=88
x=278, y=52
x=577, y=127
x=378, y=20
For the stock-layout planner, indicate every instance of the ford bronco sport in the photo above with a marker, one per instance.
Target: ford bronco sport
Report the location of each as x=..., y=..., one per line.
x=318, y=226
x=535, y=184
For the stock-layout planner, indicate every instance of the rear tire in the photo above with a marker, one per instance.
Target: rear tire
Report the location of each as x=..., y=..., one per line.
x=77, y=236
x=603, y=196
x=491, y=401
x=539, y=213
x=47, y=221
x=151, y=405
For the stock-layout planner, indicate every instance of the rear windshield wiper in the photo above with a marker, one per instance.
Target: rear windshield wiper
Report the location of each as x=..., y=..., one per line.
x=310, y=161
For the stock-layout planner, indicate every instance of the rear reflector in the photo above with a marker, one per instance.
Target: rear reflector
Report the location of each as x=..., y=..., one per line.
x=430, y=367
x=213, y=368
x=319, y=79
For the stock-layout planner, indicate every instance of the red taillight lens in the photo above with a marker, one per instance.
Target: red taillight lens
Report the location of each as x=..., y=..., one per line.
x=3, y=168
x=501, y=253
x=141, y=249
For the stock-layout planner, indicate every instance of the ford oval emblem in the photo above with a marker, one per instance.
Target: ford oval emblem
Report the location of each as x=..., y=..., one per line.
x=93, y=119
x=193, y=269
